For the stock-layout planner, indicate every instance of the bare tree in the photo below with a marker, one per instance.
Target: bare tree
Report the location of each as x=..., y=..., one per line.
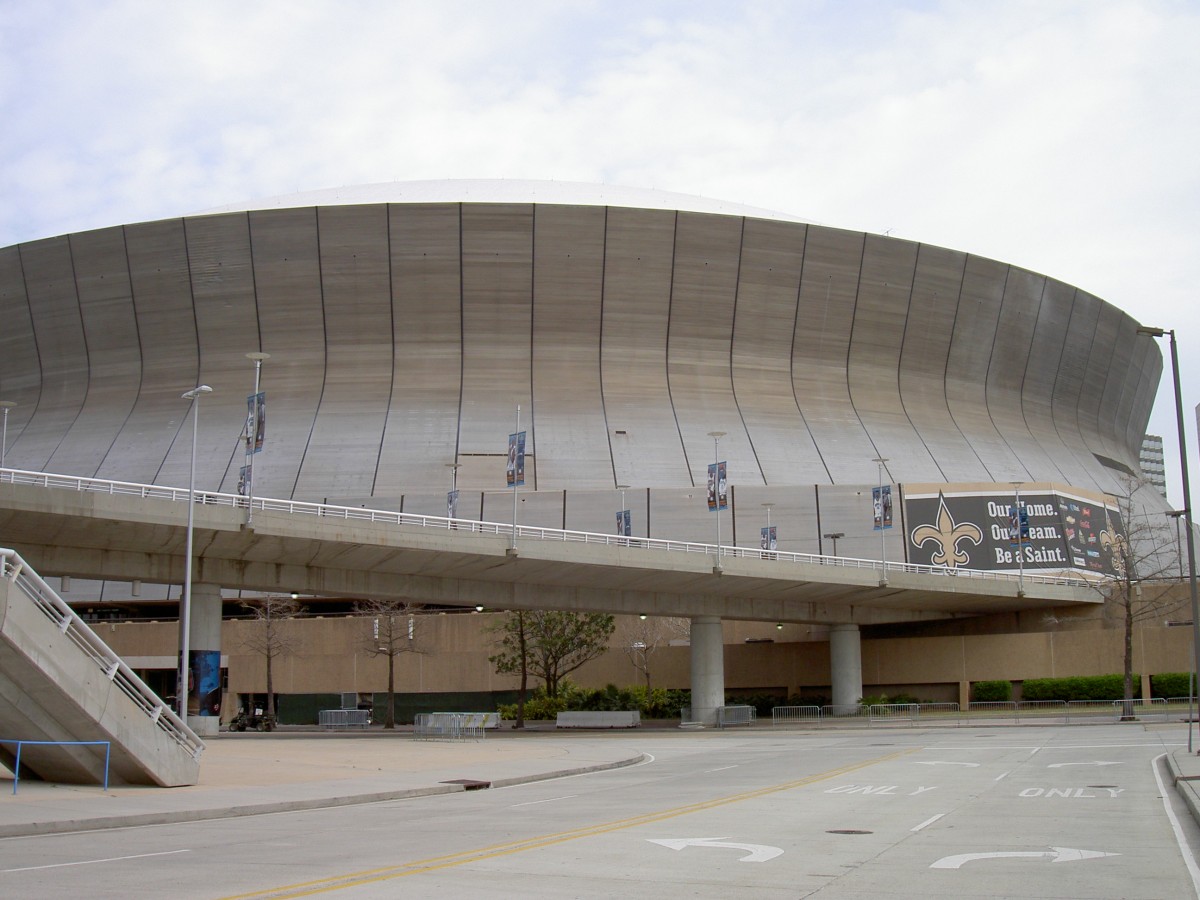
x=1139, y=589
x=270, y=637
x=395, y=627
x=647, y=634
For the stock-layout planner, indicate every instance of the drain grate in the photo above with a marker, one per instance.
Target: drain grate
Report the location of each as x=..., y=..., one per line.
x=469, y=784
x=847, y=831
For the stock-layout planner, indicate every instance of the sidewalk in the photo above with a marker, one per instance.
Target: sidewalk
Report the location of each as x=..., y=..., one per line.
x=249, y=774
x=1185, y=771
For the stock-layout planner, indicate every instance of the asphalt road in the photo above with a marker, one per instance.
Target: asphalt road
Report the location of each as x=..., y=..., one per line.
x=1030, y=812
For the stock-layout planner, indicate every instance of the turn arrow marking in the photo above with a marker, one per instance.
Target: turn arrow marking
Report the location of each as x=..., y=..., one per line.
x=1054, y=854
x=1097, y=762
x=755, y=852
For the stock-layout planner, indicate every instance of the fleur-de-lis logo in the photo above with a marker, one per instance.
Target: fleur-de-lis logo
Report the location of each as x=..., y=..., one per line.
x=947, y=534
x=1116, y=544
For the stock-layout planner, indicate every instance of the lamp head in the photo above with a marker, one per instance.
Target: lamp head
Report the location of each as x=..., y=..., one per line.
x=1151, y=332
x=196, y=392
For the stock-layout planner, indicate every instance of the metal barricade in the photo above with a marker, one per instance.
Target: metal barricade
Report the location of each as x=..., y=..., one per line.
x=343, y=718
x=728, y=716
x=892, y=713
x=1043, y=711
x=795, y=715
x=449, y=726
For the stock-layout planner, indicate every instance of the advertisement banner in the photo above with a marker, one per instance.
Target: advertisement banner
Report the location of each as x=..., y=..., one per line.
x=452, y=504
x=515, y=470
x=767, y=539
x=204, y=683
x=718, y=497
x=1055, y=530
x=624, y=523
x=881, y=503
x=256, y=421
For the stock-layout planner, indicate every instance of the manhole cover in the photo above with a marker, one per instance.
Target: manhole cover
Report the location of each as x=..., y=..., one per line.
x=469, y=784
x=847, y=831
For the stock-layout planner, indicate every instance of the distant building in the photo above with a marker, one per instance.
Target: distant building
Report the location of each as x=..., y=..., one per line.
x=1151, y=461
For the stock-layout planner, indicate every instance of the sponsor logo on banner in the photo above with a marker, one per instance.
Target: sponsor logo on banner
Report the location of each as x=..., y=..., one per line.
x=981, y=529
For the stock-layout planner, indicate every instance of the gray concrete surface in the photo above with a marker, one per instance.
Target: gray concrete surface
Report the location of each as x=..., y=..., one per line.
x=250, y=774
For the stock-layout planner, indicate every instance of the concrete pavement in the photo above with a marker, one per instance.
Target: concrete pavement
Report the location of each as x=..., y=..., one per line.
x=249, y=774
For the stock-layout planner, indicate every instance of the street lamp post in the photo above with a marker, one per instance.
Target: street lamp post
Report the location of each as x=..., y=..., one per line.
x=6, y=405
x=833, y=536
x=621, y=514
x=452, y=497
x=185, y=613
x=252, y=432
x=1187, y=501
x=716, y=436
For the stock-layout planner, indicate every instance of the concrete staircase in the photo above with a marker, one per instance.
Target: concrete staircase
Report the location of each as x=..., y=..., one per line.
x=59, y=682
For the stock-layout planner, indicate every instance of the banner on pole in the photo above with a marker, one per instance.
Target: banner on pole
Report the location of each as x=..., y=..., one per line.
x=881, y=501
x=717, y=487
x=624, y=523
x=515, y=470
x=767, y=540
x=256, y=421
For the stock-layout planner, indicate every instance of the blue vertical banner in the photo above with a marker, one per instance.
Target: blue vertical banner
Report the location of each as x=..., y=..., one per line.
x=624, y=523
x=1018, y=525
x=768, y=540
x=244, y=476
x=515, y=470
x=452, y=504
x=256, y=421
x=718, y=497
x=881, y=501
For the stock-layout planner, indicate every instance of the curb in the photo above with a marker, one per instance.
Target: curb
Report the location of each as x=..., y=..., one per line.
x=1186, y=785
x=133, y=820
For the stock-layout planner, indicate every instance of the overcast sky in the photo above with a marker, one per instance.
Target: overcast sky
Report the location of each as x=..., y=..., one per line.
x=1062, y=137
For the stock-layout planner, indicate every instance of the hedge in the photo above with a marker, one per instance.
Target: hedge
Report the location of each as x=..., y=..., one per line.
x=991, y=691
x=1170, y=684
x=1092, y=687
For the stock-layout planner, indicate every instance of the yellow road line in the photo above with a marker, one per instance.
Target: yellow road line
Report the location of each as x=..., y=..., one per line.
x=433, y=864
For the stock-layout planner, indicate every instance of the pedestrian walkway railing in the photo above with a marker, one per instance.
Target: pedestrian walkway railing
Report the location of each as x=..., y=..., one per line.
x=522, y=532
x=31, y=585
x=442, y=726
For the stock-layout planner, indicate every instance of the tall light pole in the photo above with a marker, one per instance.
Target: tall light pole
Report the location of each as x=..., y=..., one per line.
x=6, y=405
x=716, y=436
x=622, y=517
x=768, y=507
x=833, y=536
x=1177, y=514
x=185, y=612
x=1187, y=502
x=879, y=461
x=452, y=497
x=252, y=415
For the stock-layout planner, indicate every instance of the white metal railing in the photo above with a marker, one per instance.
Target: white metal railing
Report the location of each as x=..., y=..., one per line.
x=523, y=532
x=31, y=585
x=450, y=726
x=343, y=718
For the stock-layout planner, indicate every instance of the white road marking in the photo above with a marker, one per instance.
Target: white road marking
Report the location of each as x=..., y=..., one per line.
x=1096, y=763
x=1188, y=858
x=1002, y=776
x=754, y=852
x=927, y=822
x=722, y=769
x=90, y=862
x=942, y=762
x=547, y=800
x=1054, y=854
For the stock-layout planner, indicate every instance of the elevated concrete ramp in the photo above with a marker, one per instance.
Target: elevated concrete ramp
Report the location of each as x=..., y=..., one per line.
x=60, y=682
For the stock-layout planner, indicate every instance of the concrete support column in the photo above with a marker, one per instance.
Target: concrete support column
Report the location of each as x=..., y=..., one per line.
x=708, y=668
x=845, y=664
x=204, y=663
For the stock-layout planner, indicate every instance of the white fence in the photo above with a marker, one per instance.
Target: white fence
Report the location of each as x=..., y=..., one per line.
x=344, y=718
x=1060, y=712
x=441, y=726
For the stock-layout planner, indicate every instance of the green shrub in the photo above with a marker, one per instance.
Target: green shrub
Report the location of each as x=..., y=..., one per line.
x=658, y=703
x=991, y=691
x=1170, y=684
x=1091, y=687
